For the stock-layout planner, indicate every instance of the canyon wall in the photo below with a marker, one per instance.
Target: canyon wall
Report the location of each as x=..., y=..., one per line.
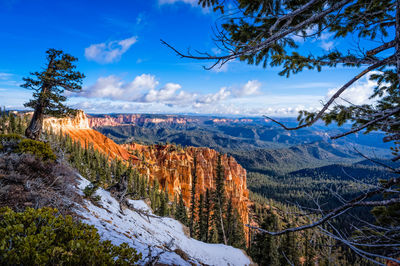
x=79, y=130
x=172, y=166
x=134, y=119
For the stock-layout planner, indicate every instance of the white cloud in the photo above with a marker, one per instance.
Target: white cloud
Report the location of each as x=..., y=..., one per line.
x=114, y=88
x=166, y=93
x=143, y=89
x=144, y=94
x=5, y=76
x=357, y=94
x=325, y=40
x=212, y=98
x=220, y=68
x=191, y=2
x=252, y=87
x=310, y=85
x=109, y=52
x=216, y=51
x=327, y=46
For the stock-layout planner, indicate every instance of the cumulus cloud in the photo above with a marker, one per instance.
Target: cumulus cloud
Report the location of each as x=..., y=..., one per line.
x=358, y=93
x=112, y=87
x=166, y=93
x=109, y=52
x=145, y=89
x=252, y=87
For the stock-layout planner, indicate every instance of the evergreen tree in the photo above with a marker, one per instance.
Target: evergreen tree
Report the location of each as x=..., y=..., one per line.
x=219, y=203
x=207, y=215
x=201, y=234
x=193, y=197
x=289, y=249
x=309, y=249
x=163, y=209
x=49, y=85
x=264, y=249
x=180, y=213
x=12, y=123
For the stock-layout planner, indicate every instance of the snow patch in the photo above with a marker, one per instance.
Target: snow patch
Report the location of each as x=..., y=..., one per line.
x=157, y=238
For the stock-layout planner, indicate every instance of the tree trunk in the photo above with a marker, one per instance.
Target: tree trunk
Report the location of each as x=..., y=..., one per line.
x=222, y=223
x=397, y=38
x=35, y=126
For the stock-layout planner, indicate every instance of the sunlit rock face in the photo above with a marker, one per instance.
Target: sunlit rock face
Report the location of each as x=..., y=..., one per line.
x=170, y=165
x=78, y=128
x=173, y=168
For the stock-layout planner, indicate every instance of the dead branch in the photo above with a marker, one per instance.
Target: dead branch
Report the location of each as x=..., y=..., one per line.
x=335, y=96
x=356, y=202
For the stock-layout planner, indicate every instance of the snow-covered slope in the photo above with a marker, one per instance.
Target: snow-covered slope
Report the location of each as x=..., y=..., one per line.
x=159, y=239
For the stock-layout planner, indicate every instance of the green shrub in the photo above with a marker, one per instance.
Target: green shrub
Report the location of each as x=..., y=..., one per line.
x=37, y=148
x=89, y=191
x=9, y=142
x=10, y=137
x=40, y=237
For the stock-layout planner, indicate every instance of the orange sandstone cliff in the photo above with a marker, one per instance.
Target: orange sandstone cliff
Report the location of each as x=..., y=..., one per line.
x=79, y=130
x=170, y=165
x=173, y=167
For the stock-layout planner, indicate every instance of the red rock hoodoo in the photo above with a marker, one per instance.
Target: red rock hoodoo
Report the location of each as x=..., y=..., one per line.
x=170, y=165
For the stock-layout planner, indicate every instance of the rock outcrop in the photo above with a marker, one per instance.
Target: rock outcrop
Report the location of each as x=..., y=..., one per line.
x=79, y=130
x=172, y=166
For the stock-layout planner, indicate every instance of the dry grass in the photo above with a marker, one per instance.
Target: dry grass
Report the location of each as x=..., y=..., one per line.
x=26, y=181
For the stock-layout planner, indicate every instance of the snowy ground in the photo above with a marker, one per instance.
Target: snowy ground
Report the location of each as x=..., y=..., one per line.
x=159, y=239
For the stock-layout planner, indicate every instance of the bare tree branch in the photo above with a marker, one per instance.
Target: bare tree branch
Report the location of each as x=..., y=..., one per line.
x=372, y=122
x=356, y=202
x=253, y=49
x=335, y=96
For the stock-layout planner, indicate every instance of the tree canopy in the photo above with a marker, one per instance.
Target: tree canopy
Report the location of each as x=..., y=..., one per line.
x=49, y=85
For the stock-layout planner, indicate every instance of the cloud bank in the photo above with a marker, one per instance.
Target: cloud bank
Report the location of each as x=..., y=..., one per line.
x=145, y=89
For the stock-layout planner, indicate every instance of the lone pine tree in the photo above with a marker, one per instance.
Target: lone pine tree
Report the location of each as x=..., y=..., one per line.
x=49, y=85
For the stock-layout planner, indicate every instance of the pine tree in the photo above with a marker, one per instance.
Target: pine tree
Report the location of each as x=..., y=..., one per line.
x=49, y=85
x=163, y=209
x=180, y=213
x=264, y=249
x=20, y=125
x=219, y=203
x=207, y=214
x=12, y=124
x=193, y=197
x=3, y=128
x=201, y=233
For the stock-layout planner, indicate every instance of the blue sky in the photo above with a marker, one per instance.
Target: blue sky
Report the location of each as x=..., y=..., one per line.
x=128, y=70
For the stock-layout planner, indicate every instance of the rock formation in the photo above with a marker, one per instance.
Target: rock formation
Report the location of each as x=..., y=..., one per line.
x=172, y=166
x=78, y=128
